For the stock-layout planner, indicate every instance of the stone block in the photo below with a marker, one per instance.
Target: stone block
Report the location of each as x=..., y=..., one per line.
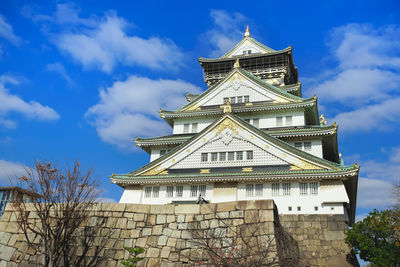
x=146, y=231
x=121, y=223
x=266, y=215
x=117, y=214
x=153, y=262
x=130, y=224
x=189, y=218
x=162, y=209
x=182, y=226
x=167, y=232
x=180, y=218
x=176, y=233
x=207, y=208
x=187, y=209
x=151, y=219
x=171, y=242
x=214, y=223
x=236, y=214
x=6, y=216
x=334, y=235
x=226, y=206
x=162, y=240
x=186, y=235
x=222, y=215
x=265, y=204
x=153, y=252
x=138, y=208
x=152, y=241
x=157, y=230
x=173, y=226
x=6, y=252
x=113, y=207
x=161, y=219
x=138, y=217
x=5, y=238
x=141, y=242
x=251, y=216
x=170, y=218
x=173, y=256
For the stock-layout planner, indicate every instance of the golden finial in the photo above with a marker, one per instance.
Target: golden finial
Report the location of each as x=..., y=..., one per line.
x=112, y=175
x=355, y=165
x=227, y=107
x=340, y=155
x=247, y=32
x=322, y=120
x=236, y=65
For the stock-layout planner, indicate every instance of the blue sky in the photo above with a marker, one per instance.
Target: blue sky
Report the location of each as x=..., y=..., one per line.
x=80, y=80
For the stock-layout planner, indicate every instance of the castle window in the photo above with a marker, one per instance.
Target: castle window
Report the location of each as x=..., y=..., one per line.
x=147, y=192
x=286, y=189
x=156, y=191
x=303, y=188
x=193, y=191
x=249, y=52
x=256, y=122
x=247, y=120
x=316, y=208
x=249, y=190
x=163, y=152
x=278, y=121
x=179, y=191
x=288, y=120
x=244, y=52
x=307, y=146
x=214, y=156
x=226, y=99
x=239, y=155
x=222, y=156
x=194, y=127
x=314, y=188
x=275, y=189
x=151, y=191
x=186, y=128
x=259, y=190
x=204, y=157
x=249, y=155
x=299, y=208
x=170, y=191
x=202, y=190
x=232, y=100
x=289, y=208
x=231, y=155
x=299, y=145
x=239, y=99
x=246, y=99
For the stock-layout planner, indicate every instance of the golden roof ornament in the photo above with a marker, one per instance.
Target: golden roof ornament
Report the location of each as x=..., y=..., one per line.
x=236, y=65
x=247, y=32
x=322, y=120
x=227, y=107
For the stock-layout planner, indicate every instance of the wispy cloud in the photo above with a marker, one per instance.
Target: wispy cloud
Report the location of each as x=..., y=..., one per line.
x=11, y=103
x=366, y=80
x=7, y=32
x=104, y=43
x=9, y=171
x=59, y=68
x=130, y=108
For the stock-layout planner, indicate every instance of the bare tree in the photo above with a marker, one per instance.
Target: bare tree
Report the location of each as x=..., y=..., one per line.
x=57, y=222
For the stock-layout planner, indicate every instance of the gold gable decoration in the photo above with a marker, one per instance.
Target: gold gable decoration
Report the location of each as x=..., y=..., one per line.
x=303, y=165
x=227, y=123
x=154, y=171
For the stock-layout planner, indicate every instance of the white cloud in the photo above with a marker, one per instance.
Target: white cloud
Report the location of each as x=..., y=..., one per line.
x=59, y=68
x=374, y=193
x=228, y=30
x=14, y=104
x=130, y=108
x=7, y=32
x=9, y=171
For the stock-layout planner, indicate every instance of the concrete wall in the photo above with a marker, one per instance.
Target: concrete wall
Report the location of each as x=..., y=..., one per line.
x=165, y=232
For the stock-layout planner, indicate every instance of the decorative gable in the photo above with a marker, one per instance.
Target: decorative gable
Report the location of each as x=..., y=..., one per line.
x=245, y=48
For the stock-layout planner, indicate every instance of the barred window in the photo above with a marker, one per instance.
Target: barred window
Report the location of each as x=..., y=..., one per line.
x=147, y=192
x=226, y=99
x=298, y=145
x=202, y=190
x=179, y=191
x=239, y=155
x=156, y=191
x=279, y=121
x=249, y=155
x=186, y=128
x=286, y=189
x=314, y=188
x=259, y=190
x=246, y=99
x=307, y=146
x=303, y=188
x=239, y=99
x=249, y=190
x=256, y=122
x=194, y=127
x=163, y=152
x=275, y=189
x=289, y=120
x=204, y=157
x=231, y=155
x=214, y=156
x=232, y=100
x=170, y=191
x=193, y=190
x=222, y=156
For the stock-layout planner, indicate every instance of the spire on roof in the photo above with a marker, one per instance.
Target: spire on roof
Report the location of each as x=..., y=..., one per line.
x=247, y=32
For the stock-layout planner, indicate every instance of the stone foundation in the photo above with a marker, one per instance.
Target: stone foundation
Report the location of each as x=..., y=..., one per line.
x=166, y=233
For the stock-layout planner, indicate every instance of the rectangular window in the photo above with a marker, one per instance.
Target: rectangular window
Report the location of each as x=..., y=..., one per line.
x=298, y=208
x=316, y=208
x=194, y=127
x=226, y=99
x=247, y=120
x=204, y=157
x=246, y=99
x=249, y=190
x=147, y=192
x=232, y=100
x=214, y=156
x=193, y=191
x=156, y=191
x=244, y=52
x=288, y=120
x=163, y=152
x=279, y=121
x=289, y=208
x=286, y=189
x=275, y=189
x=299, y=145
x=303, y=188
x=307, y=146
x=202, y=190
x=239, y=99
x=249, y=52
x=231, y=155
x=170, y=191
x=179, y=191
x=249, y=155
x=259, y=190
x=256, y=122
x=222, y=156
x=314, y=188
x=239, y=155
x=186, y=128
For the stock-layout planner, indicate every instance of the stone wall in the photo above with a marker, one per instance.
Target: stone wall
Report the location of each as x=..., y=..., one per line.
x=166, y=233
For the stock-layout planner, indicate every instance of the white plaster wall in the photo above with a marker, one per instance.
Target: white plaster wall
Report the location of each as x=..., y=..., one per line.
x=131, y=195
x=316, y=147
x=202, y=123
x=246, y=46
x=155, y=153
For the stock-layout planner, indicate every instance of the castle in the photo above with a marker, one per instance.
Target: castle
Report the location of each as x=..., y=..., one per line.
x=249, y=136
